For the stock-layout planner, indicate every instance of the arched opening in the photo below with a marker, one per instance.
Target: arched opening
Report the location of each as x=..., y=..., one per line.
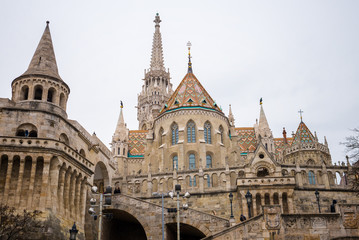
x=207, y=132
x=160, y=136
x=258, y=203
x=38, y=92
x=191, y=132
x=208, y=161
x=3, y=171
x=24, y=95
x=174, y=130
x=285, y=203
x=175, y=162
x=14, y=178
x=82, y=153
x=192, y=161
x=51, y=95
x=221, y=133
x=123, y=225
x=266, y=199
x=262, y=172
x=25, y=181
x=144, y=127
x=101, y=178
x=275, y=198
x=311, y=178
x=62, y=100
x=63, y=138
x=187, y=232
x=26, y=130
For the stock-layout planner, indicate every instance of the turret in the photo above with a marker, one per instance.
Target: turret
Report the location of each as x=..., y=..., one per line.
x=263, y=131
x=41, y=82
x=157, y=88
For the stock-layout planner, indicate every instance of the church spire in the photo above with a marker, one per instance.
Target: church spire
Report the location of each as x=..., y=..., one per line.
x=44, y=62
x=263, y=123
x=230, y=116
x=189, y=45
x=121, y=130
x=157, y=62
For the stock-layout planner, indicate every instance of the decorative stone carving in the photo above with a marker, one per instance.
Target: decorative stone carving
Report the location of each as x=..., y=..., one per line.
x=350, y=220
x=272, y=217
x=318, y=222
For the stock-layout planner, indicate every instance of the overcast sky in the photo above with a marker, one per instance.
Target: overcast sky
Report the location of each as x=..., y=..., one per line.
x=294, y=54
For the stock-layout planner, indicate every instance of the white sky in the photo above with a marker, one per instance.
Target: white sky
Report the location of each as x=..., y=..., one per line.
x=294, y=54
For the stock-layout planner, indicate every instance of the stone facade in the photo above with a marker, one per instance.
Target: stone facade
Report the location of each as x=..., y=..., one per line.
x=48, y=162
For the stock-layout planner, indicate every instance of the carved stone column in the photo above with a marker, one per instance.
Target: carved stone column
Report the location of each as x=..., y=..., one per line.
x=19, y=183
x=77, y=197
x=66, y=192
x=60, y=190
x=72, y=194
x=7, y=180
x=31, y=185
x=44, y=185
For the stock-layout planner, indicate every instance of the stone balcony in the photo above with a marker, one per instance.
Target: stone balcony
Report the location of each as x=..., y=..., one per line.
x=266, y=181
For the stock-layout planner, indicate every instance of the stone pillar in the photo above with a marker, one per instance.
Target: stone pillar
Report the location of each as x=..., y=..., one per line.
x=44, y=185
x=77, y=198
x=72, y=194
x=82, y=203
x=7, y=180
x=19, y=183
x=66, y=192
x=60, y=190
x=281, y=201
x=254, y=202
x=31, y=92
x=325, y=177
x=31, y=185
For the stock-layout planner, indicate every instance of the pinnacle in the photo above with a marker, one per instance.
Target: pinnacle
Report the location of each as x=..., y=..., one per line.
x=157, y=63
x=43, y=61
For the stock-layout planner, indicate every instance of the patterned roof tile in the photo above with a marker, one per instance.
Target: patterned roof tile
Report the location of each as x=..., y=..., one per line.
x=303, y=134
x=137, y=142
x=247, y=140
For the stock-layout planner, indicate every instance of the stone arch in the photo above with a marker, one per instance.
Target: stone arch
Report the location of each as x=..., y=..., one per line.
x=51, y=95
x=207, y=181
x=174, y=133
x=275, y=198
x=162, y=185
x=170, y=183
x=64, y=138
x=264, y=165
x=241, y=174
x=310, y=162
x=207, y=132
x=24, y=93
x=125, y=225
x=266, y=199
x=195, y=180
x=285, y=172
x=209, y=159
x=144, y=186
x=188, y=230
x=101, y=176
x=155, y=185
x=26, y=130
x=285, y=202
x=192, y=160
x=174, y=161
x=82, y=153
x=38, y=92
x=222, y=180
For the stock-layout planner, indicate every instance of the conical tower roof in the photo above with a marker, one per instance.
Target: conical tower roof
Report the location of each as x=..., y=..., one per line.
x=121, y=129
x=44, y=61
x=263, y=123
x=190, y=93
x=303, y=134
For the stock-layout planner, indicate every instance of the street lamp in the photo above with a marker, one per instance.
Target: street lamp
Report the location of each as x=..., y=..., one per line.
x=156, y=194
x=231, y=199
x=107, y=202
x=185, y=205
x=249, y=201
x=73, y=232
x=317, y=196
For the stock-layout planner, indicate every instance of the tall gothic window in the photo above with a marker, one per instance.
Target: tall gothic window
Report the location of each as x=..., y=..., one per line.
x=191, y=132
x=192, y=161
x=208, y=161
x=311, y=178
x=221, y=133
x=175, y=162
x=160, y=133
x=208, y=180
x=174, y=134
x=207, y=133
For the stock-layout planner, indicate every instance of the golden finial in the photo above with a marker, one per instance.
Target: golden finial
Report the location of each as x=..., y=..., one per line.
x=189, y=45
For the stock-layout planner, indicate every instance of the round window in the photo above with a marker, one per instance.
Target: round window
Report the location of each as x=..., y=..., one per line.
x=261, y=155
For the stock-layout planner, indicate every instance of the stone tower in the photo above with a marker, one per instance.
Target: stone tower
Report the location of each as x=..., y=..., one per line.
x=119, y=143
x=157, y=88
x=41, y=82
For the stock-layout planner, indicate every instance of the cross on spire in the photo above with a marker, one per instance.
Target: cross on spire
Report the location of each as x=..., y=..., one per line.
x=300, y=112
x=189, y=45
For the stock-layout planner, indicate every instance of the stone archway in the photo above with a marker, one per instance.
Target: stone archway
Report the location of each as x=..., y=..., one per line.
x=187, y=232
x=122, y=226
x=101, y=177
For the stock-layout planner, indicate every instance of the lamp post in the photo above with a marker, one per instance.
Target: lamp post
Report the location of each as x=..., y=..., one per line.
x=73, y=232
x=317, y=196
x=185, y=205
x=249, y=201
x=163, y=216
x=231, y=199
x=102, y=203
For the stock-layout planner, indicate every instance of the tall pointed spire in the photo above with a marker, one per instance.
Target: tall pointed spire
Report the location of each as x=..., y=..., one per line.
x=157, y=62
x=44, y=62
x=121, y=130
x=230, y=116
x=263, y=123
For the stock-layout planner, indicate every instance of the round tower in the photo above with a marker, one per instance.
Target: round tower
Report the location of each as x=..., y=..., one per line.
x=41, y=84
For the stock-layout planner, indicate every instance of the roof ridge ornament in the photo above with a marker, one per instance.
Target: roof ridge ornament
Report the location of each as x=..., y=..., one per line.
x=189, y=45
x=300, y=112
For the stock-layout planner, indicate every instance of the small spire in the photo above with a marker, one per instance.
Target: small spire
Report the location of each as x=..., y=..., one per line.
x=285, y=136
x=230, y=116
x=189, y=45
x=325, y=141
x=157, y=62
x=300, y=112
x=315, y=136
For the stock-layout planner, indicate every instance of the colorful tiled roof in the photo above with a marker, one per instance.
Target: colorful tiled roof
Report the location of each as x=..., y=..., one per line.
x=247, y=139
x=279, y=144
x=190, y=93
x=303, y=134
x=137, y=143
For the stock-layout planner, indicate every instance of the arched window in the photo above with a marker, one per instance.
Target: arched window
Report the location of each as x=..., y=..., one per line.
x=62, y=100
x=24, y=93
x=175, y=162
x=192, y=161
x=262, y=172
x=174, y=134
x=82, y=152
x=191, y=132
x=208, y=161
x=38, y=92
x=33, y=133
x=63, y=138
x=207, y=133
x=160, y=133
x=208, y=181
x=51, y=94
x=311, y=178
x=221, y=133
x=194, y=181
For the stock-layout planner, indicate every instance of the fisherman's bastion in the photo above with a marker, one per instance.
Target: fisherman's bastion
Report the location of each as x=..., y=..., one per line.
x=243, y=182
